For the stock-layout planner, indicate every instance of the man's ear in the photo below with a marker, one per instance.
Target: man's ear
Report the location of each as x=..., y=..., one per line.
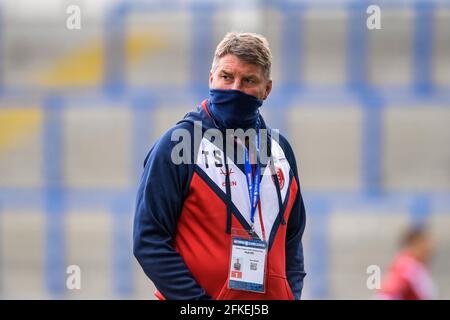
x=268, y=89
x=210, y=78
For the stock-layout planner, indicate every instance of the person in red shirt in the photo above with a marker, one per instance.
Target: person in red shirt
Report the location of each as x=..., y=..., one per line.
x=409, y=275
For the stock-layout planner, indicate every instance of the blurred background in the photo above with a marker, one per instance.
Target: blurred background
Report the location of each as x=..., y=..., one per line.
x=367, y=113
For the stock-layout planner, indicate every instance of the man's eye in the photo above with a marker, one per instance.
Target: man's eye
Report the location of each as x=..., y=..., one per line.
x=225, y=77
x=250, y=80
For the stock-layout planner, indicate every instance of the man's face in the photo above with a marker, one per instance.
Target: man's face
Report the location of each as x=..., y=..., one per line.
x=426, y=247
x=233, y=73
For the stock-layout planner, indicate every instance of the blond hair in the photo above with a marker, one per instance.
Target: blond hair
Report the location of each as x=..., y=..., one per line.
x=249, y=47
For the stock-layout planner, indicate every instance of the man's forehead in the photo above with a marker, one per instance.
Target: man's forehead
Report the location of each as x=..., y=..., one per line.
x=231, y=63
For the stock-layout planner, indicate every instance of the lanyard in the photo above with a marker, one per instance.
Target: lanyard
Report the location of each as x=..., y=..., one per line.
x=252, y=182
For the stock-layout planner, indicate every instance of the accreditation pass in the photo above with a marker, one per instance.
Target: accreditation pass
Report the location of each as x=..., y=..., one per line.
x=248, y=265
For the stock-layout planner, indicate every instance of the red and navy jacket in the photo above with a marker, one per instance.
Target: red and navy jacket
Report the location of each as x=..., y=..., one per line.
x=184, y=214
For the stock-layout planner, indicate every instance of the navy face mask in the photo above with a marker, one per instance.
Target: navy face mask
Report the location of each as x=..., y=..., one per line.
x=233, y=109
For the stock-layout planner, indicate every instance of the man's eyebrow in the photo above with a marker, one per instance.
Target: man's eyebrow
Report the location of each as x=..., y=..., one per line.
x=226, y=73
x=248, y=76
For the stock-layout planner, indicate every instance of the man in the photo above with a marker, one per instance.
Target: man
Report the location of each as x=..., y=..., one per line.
x=237, y=265
x=201, y=205
x=409, y=277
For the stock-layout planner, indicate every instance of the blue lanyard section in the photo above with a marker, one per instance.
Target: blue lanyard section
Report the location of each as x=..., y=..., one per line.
x=252, y=182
